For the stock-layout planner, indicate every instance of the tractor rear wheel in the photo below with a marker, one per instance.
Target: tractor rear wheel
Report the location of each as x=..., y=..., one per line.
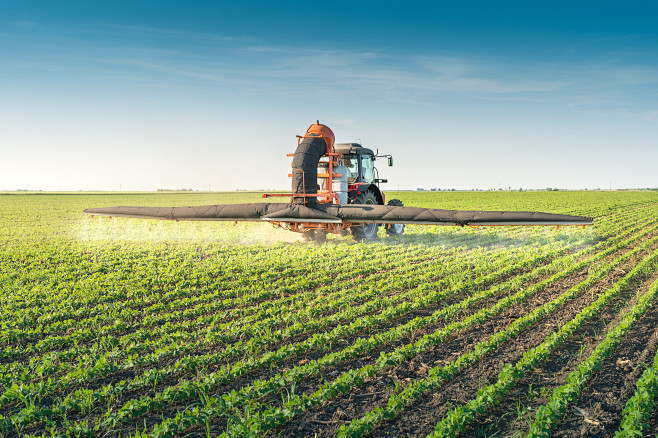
x=364, y=231
x=394, y=229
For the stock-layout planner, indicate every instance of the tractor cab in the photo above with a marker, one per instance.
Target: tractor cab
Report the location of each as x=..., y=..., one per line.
x=362, y=175
x=360, y=162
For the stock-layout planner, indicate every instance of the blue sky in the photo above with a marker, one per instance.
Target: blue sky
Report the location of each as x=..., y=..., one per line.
x=200, y=94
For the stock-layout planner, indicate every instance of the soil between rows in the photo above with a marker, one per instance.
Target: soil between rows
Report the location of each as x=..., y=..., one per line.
x=251, y=376
x=597, y=412
x=430, y=408
x=515, y=414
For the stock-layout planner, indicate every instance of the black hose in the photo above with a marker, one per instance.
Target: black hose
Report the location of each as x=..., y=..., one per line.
x=305, y=170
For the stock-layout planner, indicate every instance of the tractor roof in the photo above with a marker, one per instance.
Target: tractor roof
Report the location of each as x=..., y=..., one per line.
x=352, y=148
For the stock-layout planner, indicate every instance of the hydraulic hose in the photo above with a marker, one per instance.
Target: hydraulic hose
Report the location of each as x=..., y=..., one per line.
x=305, y=170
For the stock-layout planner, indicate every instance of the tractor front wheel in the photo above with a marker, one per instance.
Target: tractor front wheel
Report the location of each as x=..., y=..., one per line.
x=394, y=229
x=364, y=231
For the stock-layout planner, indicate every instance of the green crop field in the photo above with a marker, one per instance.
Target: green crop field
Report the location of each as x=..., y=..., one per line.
x=128, y=327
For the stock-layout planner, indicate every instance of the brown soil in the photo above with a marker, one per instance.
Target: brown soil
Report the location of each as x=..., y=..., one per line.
x=432, y=407
x=516, y=412
x=601, y=403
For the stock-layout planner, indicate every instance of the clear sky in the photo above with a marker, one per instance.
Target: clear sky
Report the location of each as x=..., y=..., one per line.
x=141, y=95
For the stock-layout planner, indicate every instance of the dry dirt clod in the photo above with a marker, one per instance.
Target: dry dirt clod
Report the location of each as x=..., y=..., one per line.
x=339, y=414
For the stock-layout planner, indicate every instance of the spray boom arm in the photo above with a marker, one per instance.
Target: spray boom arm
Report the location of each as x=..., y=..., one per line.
x=313, y=210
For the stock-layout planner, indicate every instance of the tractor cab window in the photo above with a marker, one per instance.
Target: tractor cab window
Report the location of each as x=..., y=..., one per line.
x=367, y=169
x=352, y=164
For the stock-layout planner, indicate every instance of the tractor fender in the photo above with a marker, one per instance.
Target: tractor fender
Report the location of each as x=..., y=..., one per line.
x=354, y=190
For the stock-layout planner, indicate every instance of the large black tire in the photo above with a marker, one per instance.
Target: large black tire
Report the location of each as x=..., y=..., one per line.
x=364, y=231
x=394, y=229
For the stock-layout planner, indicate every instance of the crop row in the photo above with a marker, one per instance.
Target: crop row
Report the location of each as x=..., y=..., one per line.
x=296, y=404
x=235, y=349
x=238, y=300
x=219, y=277
x=456, y=419
x=639, y=408
x=547, y=415
x=212, y=329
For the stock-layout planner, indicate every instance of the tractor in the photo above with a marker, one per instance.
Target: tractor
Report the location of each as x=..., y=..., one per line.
x=345, y=174
x=363, y=186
